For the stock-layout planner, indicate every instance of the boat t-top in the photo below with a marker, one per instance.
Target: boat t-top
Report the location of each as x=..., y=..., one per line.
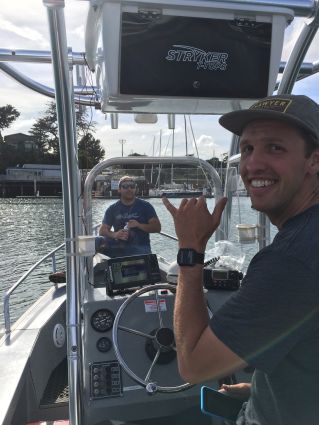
x=99, y=349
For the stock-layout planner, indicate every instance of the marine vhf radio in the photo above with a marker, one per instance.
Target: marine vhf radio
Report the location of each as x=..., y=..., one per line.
x=220, y=277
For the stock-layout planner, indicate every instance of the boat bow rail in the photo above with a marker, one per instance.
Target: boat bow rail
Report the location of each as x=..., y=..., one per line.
x=6, y=299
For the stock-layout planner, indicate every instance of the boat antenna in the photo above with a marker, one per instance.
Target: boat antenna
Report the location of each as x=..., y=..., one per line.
x=172, y=170
x=166, y=147
x=197, y=154
x=186, y=147
x=152, y=168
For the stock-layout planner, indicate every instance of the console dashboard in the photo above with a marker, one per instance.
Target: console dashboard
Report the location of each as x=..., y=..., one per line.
x=109, y=388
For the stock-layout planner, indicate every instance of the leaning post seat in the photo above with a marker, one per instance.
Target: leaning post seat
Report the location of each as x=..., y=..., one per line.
x=183, y=56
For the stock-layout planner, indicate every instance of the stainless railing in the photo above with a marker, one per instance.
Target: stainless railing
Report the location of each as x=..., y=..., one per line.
x=7, y=295
x=167, y=235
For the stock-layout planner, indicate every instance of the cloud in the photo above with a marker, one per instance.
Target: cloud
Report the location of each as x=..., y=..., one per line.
x=77, y=34
x=207, y=146
x=145, y=138
x=25, y=32
x=291, y=34
x=205, y=141
x=20, y=126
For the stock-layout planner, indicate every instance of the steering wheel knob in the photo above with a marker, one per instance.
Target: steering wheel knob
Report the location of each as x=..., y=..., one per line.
x=151, y=388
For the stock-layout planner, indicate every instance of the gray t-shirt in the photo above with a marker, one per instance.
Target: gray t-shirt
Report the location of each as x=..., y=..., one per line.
x=273, y=323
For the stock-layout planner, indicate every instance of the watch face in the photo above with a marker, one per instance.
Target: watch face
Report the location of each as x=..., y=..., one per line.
x=189, y=257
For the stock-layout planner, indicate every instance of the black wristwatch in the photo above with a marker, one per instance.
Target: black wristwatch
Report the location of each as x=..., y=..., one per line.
x=189, y=257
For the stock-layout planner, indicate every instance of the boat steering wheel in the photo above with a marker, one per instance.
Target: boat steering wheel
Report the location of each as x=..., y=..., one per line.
x=161, y=340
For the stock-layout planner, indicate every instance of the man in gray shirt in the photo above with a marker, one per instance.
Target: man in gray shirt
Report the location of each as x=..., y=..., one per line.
x=272, y=322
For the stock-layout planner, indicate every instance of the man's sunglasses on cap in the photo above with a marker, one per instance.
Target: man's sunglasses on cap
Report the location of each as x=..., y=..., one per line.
x=128, y=185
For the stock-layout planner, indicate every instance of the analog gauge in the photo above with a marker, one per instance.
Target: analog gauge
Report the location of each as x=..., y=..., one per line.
x=104, y=344
x=102, y=320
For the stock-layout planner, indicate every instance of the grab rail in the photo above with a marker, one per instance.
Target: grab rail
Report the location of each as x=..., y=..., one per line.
x=6, y=298
x=97, y=226
x=168, y=236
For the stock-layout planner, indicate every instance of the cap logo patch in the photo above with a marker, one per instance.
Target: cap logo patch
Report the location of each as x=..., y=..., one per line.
x=279, y=105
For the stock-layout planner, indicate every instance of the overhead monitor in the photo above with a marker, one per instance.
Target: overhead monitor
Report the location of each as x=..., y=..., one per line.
x=188, y=57
x=194, y=57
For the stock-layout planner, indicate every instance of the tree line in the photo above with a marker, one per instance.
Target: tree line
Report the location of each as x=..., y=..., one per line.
x=44, y=133
x=45, y=140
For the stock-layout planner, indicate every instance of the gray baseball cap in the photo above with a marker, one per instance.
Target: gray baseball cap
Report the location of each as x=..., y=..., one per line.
x=293, y=109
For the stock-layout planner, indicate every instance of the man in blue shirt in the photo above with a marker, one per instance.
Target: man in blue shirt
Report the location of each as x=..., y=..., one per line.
x=128, y=222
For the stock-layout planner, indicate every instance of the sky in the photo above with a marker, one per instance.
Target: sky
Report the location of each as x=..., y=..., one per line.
x=24, y=26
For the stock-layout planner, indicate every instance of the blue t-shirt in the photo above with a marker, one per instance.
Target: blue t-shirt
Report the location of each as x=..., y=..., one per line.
x=117, y=215
x=273, y=323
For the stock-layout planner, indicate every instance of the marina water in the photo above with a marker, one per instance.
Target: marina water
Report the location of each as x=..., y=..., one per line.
x=32, y=227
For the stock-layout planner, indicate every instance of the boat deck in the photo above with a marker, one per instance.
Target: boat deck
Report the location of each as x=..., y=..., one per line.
x=57, y=389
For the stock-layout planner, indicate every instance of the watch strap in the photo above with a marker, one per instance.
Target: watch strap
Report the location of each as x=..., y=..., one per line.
x=189, y=257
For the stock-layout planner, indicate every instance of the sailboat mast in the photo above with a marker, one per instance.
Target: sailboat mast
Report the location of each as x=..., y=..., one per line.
x=172, y=170
x=153, y=157
x=160, y=154
x=186, y=146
